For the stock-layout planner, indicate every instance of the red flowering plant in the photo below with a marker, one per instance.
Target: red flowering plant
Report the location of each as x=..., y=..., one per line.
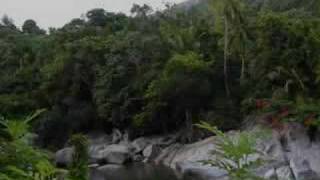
x=301, y=110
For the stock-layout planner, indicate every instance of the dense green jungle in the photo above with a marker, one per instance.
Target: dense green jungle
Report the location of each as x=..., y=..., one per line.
x=153, y=73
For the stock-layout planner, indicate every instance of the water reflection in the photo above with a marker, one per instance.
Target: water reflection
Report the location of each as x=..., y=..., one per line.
x=136, y=172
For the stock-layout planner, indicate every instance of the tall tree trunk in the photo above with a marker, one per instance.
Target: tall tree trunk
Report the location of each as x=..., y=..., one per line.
x=243, y=57
x=189, y=126
x=226, y=56
x=242, y=68
x=21, y=63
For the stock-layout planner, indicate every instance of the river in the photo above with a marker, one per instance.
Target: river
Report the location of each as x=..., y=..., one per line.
x=138, y=172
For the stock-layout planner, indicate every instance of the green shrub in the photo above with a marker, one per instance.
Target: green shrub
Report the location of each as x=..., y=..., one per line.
x=19, y=160
x=78, y=169
x=233, y=153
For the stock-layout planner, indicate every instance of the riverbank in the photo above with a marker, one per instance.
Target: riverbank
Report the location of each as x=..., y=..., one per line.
x=286, y=155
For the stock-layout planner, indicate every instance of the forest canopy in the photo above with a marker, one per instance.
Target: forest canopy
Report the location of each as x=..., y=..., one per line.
x=155, y=72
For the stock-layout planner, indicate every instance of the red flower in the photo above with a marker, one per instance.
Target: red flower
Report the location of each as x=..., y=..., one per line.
x=309, y=120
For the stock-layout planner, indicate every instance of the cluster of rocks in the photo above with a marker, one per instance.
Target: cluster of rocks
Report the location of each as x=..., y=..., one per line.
x=116, y=149
x=291, y=156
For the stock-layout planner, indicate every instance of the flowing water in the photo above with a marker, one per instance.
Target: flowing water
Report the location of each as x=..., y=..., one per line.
x=138, y=172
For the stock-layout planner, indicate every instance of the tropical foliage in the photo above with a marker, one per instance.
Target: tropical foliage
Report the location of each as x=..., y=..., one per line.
x=78, y=169
x=236, y=155
x=18, y=159
x=159, y=71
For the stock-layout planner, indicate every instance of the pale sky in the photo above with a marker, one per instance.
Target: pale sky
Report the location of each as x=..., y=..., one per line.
x=56, y=13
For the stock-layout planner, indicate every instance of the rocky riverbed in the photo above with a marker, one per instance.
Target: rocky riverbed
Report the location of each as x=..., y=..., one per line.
x=291, y=156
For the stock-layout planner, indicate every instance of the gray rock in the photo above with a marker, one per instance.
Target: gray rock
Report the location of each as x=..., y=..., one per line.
x=303, y=155
x=63, y=157
x=302, y=170
x=151, y=152
x=195, y=152
x=116, y=154
x=125, y=138
x=284, y=173
x=270, y=174
x=292, y=148
x=167, y=154
x=98, y=141
x=272, y=148
x=185, y=159
x=140, y=144
x=286, y=155
x=137, y=158
x=268, y=171
x=116, y=136
x=95, y=155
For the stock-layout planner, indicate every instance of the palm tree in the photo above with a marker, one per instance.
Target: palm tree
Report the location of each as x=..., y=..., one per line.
x=230, y=12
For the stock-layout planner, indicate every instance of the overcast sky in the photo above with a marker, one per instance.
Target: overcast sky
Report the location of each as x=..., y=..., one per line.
x=55, y=13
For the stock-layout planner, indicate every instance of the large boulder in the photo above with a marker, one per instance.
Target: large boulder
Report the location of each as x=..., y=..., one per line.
x=116, y=154
x=151, y=152
x=95, y=153
x=116, y=136
x=98, y=141
x=288, y=154
x=137, y=158
x=195, y=152
x=274, y=170
x=63, y=157
x=185, y=159
x=292, y=146
x=302, y=154
x=139, y=144
x=125, y=138
x=284, y=173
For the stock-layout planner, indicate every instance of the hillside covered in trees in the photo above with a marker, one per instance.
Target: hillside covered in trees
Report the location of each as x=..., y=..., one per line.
x=156, y=72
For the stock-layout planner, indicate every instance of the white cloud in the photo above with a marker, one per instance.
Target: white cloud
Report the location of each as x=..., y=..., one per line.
x=55, y=13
